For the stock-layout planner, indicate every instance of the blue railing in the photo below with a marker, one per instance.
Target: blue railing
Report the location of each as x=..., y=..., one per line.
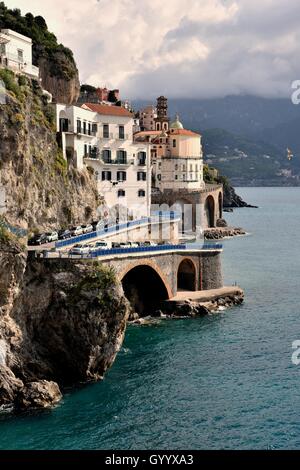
x=147, y=249
x=113, y=229
x=140, y=249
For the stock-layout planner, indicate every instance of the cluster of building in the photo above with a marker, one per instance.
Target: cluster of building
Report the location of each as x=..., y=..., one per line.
x=137, y=159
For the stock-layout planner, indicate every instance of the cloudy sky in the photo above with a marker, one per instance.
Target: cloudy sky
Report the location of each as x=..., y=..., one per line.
x=183, y=48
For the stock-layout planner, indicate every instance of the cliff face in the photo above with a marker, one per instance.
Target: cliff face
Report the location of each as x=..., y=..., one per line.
x=64, y=87
x=60, y=323
x=41, y=191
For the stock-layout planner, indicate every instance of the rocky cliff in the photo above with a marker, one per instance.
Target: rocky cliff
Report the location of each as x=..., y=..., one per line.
x=64, y=86
x=60, y=324
x=41, y=190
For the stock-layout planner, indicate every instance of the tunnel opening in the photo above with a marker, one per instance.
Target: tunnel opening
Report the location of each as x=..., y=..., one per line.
x=144, y=289
x=186, y=276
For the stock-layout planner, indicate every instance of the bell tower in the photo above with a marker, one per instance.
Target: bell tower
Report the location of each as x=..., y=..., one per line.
x=162, y=120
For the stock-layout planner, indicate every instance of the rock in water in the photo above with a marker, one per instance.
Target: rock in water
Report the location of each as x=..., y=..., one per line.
x=37, y=395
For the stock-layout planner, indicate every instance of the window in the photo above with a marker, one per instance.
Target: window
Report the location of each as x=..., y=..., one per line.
x=106, y=156
x=142, y=158
x=184, y=178
x=121, y=156
x=78, y=126
x=121, y=175
x=20, y=56
x=174, y=143
x=94, y=129
x=159, y=177
x=121, y=193
x=121, y=132
x=176, y=167
x=2, y=49
x=157, y=126
x=106, y=175
x=141, y=176
x=84, y=127
x=105, y=131
x=85, y=150
x=176, y=177
x=142, y=193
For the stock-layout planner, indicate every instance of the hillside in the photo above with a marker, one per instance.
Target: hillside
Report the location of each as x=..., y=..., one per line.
x=58, y=69
x=247, y=162
x=41, y=191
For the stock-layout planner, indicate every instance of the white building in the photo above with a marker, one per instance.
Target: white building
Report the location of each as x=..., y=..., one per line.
x=101, y=137
x=177, y=157
x=16, y=53
x=147, y=118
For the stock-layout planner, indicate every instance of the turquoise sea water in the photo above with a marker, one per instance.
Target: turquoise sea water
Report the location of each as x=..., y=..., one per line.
x=221, y=382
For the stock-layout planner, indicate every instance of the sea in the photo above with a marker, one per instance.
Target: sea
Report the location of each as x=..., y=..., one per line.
x=226, y=381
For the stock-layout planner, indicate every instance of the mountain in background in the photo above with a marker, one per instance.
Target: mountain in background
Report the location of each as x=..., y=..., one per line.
x=245, y=137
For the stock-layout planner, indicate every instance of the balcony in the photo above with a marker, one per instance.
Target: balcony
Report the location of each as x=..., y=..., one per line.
x=83, y=131
x=13, y=62
x=93, y=154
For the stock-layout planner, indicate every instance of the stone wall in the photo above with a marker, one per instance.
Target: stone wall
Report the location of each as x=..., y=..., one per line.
x=208, y=268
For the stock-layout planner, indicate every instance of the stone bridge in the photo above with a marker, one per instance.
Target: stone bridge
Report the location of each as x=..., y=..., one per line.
x=210, y=198
x=151, y=278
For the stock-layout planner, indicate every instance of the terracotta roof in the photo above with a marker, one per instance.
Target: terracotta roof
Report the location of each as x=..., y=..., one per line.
x=183, y=132
x=108, y=110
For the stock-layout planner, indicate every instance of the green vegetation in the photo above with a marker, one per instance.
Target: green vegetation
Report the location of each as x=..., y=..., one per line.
x=101, y=278
x=45, y=45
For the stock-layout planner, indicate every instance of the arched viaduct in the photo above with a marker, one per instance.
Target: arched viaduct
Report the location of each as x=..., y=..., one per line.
x=206, y=204
x=148, y=280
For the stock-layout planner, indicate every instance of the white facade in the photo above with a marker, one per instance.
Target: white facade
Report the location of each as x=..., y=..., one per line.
x=105, y=143
x=16, y=53
x=78, y=129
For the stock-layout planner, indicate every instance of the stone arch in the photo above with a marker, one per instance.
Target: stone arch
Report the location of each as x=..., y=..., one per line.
x=220, y=201
x=145, y=286
x=209, y=208
x=187, y=275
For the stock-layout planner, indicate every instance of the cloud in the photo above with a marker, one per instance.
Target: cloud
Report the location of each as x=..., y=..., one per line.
x=203, y=48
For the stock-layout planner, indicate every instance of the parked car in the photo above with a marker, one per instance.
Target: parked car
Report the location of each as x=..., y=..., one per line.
x=38, y=239
x=125, y=245
x=52, y=236
x=149, y=243
x=87, y=228
x=75, y=231
x=102, y=245
x=116, y=245
x=133, y=244
x=97, y=225
x=80, y=249
x=64, y=234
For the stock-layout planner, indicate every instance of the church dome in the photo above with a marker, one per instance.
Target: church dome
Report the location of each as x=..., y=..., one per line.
x=176, y=124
